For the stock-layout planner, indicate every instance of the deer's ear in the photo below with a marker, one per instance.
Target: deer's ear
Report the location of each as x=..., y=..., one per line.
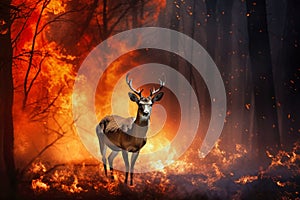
x=157, y=97
x=133, y=97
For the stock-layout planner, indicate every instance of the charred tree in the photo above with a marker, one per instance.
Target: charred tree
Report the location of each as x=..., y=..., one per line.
x=287, y=35
x=7, y=166
x=134, y=13
x=175, y=25
x=211, y=7
x=267, y=134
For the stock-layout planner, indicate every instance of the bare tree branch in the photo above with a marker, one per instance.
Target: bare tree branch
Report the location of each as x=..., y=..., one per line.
x=39, y=154
x=24, y=24
x=48, y=106
x=27, y=90
x=59, y=18
x=60, y=134
x=118, y=20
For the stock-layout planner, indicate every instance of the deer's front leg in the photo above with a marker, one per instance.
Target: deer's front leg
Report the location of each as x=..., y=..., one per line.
x=125, y=158
x=134, y=156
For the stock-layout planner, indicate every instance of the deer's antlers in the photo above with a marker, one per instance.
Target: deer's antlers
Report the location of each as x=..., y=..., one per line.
x=139, y=92
x=129, y=82
x=154, y=91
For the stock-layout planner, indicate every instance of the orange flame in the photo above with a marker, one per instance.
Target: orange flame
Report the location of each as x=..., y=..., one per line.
x=246, y=179
x=38, y=185
x=73, y=188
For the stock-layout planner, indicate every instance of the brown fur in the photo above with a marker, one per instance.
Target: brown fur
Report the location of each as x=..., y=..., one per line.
x=119, y=132
x=113, y=123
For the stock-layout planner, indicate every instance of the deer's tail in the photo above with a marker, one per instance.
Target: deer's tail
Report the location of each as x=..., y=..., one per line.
x=100, y=128
x=100, y=133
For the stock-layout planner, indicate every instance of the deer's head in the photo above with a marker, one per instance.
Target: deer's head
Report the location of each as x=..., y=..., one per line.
x=145, y=103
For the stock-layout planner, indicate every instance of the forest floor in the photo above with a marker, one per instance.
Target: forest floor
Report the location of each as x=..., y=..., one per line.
x=169, y=187
x=217, y=180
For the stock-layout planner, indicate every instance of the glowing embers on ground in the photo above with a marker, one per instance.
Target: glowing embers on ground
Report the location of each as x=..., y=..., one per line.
x=220, y=174
x=287, y=159
x=38, y=185
x=246, y=179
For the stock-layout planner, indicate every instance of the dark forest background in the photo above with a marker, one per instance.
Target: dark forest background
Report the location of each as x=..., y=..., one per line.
x=254, y=43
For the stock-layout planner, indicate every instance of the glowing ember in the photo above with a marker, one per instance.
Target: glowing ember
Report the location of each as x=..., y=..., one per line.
x=246, y=179
x=280, y=184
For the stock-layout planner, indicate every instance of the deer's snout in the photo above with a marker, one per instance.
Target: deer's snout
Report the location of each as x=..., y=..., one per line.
x=146, y=110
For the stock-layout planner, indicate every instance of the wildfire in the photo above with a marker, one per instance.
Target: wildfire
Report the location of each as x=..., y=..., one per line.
x=43, y=122
x=46, y=69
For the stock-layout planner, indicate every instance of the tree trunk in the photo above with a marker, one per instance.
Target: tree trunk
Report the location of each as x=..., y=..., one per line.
x=134, y=13
x=7, y=166
x=287, y=63
x=211, y=26
x=267, y=133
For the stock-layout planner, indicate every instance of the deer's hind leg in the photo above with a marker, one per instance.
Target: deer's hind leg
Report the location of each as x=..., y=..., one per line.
x=111, y=158
x=103, y=146
x=103, y=153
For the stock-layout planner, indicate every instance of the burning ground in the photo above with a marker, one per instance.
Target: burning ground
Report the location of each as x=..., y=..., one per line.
x=220, y=175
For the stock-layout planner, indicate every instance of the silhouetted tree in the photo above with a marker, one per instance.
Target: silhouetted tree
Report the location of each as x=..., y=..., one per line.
x=267, y=133
x=7, y=165
x=285, y=32
x=211, y=26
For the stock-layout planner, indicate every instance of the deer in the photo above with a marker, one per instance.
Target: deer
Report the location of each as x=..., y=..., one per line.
x=127, y=134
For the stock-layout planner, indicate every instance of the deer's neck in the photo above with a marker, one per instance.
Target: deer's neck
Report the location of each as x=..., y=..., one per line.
x=140, y=126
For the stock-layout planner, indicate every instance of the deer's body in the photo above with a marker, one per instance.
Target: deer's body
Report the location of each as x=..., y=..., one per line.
x=123, y=133
x=127, y=134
